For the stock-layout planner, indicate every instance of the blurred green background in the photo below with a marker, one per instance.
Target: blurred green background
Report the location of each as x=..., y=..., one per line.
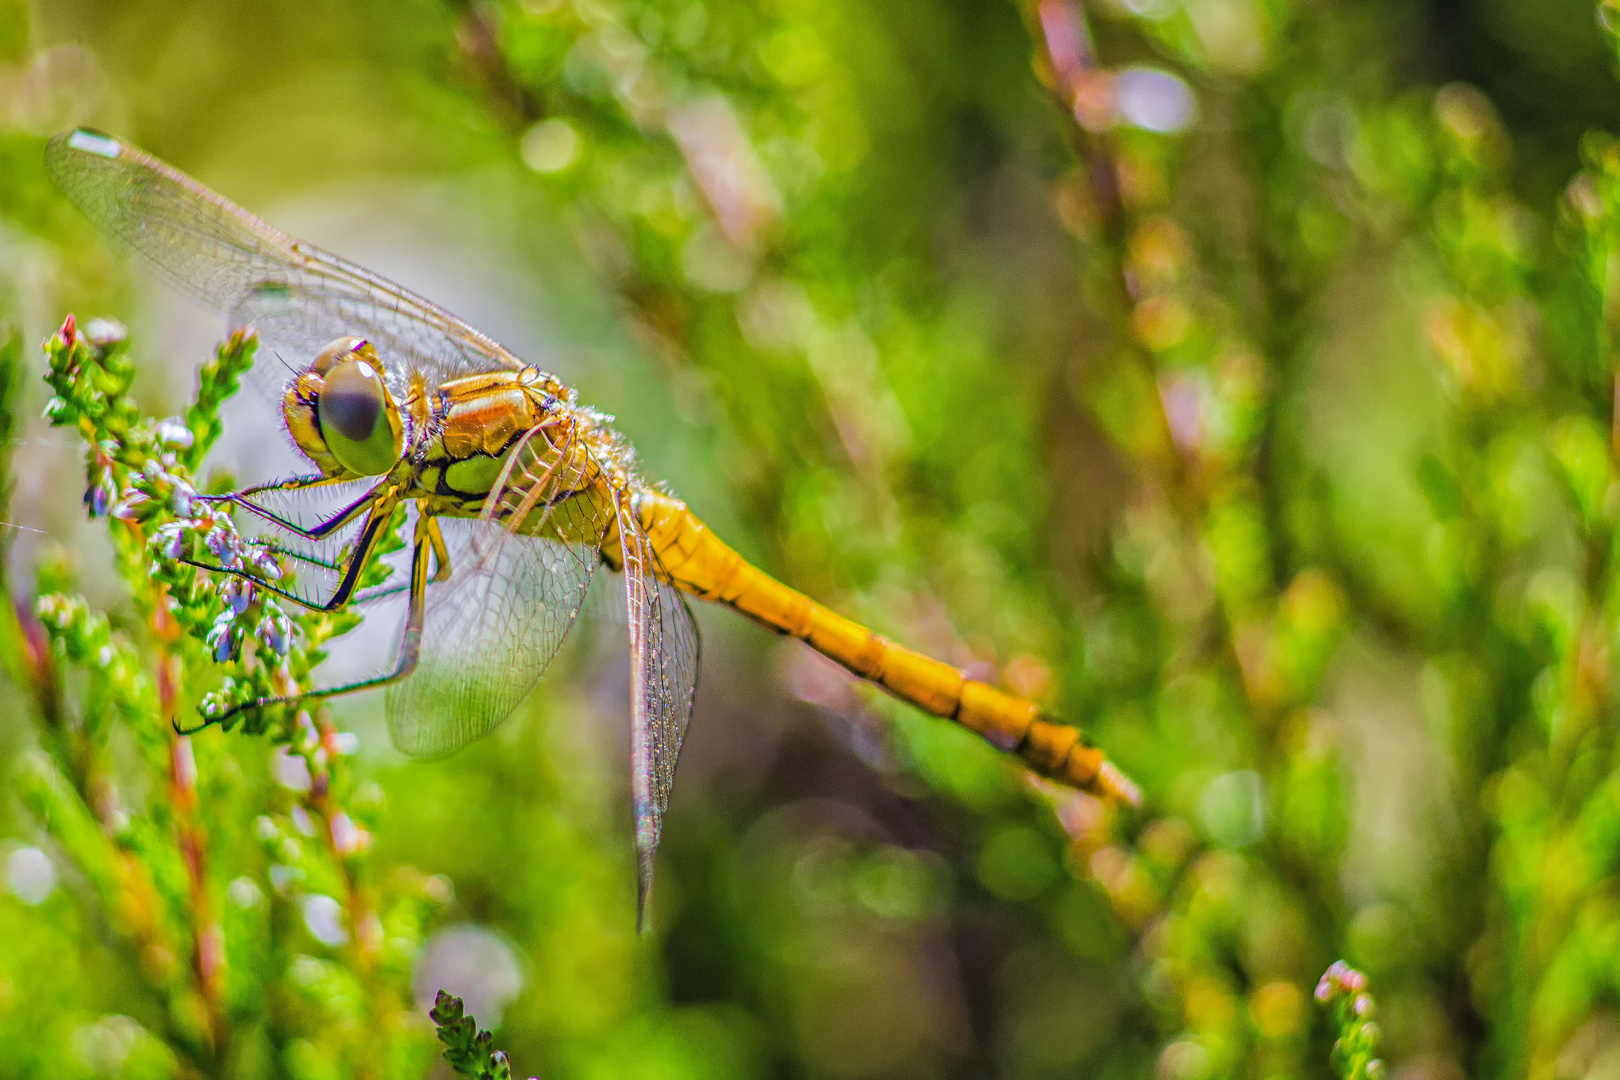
x=1233, y=377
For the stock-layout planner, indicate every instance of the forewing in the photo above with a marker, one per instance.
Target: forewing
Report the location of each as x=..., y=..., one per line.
x=663, y=685
x=198, y=240
x=298, y=296
x=413, y=338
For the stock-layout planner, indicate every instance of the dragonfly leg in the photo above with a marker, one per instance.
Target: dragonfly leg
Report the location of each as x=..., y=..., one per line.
x=441, y=568
x=287, y=552
x=302, y=483
x=292, y=483
x=376, y=527
x=441, y=552
x=364, y=596
x=410, y=648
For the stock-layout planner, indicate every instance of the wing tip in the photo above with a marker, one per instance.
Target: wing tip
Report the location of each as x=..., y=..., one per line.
x=647, y=836
x=644, y=873
x=84, y=140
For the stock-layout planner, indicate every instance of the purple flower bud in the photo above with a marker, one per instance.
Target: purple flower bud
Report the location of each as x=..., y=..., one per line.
x=275, y=630
x=132, y=507
x=100, y=494
x=181, y=497
x=170, y=540
x=238, y=594
x=226, y=546
x=225, y=639
x=265, y=564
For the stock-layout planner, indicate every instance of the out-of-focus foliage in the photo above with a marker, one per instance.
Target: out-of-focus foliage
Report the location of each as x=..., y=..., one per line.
x=1234, y=377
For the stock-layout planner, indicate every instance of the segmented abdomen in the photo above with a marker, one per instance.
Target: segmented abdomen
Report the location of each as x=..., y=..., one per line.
x=698, y=562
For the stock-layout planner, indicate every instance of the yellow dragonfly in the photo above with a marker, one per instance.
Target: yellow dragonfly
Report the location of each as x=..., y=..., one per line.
x=520, y=494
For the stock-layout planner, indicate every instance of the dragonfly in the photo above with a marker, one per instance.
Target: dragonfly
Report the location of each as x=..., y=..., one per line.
x=520, y=493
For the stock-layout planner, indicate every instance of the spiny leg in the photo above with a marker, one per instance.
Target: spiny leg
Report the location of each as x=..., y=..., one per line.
x=363, y=596
x=298, y=556
x=300, y=483
x=409, y=651
x=441, y=568
x=376, y=527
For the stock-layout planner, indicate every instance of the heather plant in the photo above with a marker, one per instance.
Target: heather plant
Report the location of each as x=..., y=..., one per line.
x=223, y=892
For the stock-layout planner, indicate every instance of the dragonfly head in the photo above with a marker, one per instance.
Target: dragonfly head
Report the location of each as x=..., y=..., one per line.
x=341, y=414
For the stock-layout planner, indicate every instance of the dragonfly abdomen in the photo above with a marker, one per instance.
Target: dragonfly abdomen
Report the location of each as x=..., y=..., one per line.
x=698, y=562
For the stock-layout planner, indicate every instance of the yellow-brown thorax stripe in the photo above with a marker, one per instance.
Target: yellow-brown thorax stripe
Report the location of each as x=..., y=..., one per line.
x=476, y=421
x=557, y=485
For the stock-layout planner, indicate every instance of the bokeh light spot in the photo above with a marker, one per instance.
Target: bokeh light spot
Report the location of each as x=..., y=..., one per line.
x=1153, y=100
x=30, y=875
x=550, y=146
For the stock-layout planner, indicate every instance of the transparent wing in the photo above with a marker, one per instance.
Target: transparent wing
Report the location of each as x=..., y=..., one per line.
x=298, y=296
x=663, y=685
x=488, y=636
x=519, y=579
x=295, y=322
x=552, y=486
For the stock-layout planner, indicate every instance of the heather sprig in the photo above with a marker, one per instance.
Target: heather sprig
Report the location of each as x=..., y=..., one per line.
x=468, y=1049
x=1343, y=992
x=222, y=915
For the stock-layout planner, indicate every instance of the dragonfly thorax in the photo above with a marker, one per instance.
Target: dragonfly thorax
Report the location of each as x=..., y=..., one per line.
x=341, y=414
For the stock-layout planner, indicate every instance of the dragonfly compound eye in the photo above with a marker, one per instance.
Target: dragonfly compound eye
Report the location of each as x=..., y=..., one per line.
x=360, y=424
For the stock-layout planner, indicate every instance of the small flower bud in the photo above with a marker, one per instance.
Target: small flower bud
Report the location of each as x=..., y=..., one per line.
x=238, y=594
x=174, y=434
x=275, y=631
x=60, y=411
x=226, y=546
x=225, y=639
x=265, y=564
x=180, y=499
x=170, y=540
x=100, y=494
x=134, y=506
x=103, y=333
